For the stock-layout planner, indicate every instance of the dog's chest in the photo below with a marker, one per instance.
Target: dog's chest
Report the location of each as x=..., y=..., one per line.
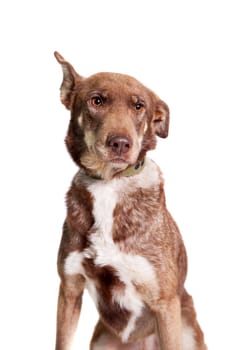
x=102, y=249
x=113, y=275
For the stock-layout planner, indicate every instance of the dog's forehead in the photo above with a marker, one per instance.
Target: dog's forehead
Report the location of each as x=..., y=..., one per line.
x=115, y=82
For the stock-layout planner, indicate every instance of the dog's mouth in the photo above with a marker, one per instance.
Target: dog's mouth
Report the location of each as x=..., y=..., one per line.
x=118, y=161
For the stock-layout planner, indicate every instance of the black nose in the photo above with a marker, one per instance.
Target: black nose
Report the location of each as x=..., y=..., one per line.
x=119, y=144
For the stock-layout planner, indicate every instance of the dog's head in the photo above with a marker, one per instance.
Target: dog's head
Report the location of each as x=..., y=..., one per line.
x=114, y=120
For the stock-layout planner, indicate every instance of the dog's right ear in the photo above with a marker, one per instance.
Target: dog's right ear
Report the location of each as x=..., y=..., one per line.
x=70, y=80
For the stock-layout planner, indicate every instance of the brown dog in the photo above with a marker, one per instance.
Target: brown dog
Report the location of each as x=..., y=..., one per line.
x=119, y=241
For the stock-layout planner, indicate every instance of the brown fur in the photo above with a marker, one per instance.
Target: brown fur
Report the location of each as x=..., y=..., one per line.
x=114, y=120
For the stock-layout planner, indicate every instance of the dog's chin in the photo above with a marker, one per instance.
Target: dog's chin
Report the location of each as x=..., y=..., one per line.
x=117, y=165
x=101, y=167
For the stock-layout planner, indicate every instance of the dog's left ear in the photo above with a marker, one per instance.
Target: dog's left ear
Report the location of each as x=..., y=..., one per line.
x=70, y=80
x=161, y=119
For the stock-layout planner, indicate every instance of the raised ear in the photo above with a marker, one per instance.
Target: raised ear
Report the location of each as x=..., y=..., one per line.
x=161, y=119
x=70, y=80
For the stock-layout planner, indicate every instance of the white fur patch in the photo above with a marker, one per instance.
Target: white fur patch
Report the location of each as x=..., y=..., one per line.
x=131, y=269
x=73, y=263
x=80, y=120
x=188, y=340
x=73, y=266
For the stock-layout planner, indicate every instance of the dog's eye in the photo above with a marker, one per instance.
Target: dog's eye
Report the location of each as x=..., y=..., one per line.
x=138, y=106
x=96, y=101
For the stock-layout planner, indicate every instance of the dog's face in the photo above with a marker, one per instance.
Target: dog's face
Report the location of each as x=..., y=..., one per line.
x=114, y=120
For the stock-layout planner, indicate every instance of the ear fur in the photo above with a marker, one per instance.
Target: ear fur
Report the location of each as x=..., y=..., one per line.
x=70, y=79
x=161, y=119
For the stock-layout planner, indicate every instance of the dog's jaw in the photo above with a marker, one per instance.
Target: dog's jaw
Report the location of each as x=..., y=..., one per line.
x=96, y=167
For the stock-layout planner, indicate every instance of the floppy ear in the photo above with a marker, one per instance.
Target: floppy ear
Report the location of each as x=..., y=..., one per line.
x=70, y=80
x=161, y=119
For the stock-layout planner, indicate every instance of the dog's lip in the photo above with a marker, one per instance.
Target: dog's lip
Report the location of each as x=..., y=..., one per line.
x=118, y=160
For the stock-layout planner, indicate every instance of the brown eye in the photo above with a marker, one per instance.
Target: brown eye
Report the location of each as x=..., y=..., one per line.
x=96, y=101
x=138, y=106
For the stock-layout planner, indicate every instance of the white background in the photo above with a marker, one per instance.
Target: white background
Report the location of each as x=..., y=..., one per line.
x=180, y=49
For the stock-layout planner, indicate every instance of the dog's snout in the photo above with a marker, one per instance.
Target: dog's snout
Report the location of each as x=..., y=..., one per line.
x=119, y=144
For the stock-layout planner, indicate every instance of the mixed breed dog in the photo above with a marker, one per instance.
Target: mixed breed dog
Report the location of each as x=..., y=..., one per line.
x=119, y=240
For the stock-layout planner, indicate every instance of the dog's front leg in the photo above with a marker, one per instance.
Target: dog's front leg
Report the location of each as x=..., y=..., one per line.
x=169, y=324
x=69, y=307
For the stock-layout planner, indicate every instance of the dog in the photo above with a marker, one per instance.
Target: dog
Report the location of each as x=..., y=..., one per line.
x=119, y=240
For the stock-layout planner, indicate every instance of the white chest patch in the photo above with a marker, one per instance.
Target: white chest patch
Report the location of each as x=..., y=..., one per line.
x=131, y=269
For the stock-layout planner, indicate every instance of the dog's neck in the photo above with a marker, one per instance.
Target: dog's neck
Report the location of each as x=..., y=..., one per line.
x=128, y=172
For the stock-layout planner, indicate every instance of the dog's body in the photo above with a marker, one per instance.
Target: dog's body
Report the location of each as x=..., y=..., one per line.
x=119, y=241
